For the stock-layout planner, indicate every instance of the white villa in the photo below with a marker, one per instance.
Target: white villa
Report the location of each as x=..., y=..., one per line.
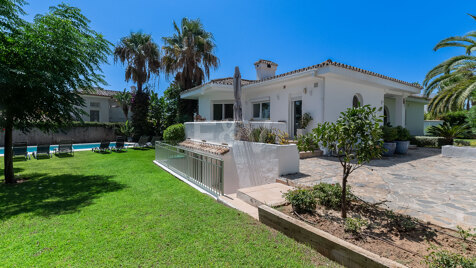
x=323, y=90
x=100, y=106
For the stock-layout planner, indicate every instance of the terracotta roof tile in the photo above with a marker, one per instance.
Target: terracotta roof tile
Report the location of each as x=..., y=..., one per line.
x=205, y=147
x=100, y=92
x=245, y=82
x=265, y=62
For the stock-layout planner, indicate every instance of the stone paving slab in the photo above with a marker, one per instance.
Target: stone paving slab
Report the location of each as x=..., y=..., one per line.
x=422, y=183
x=267, y=194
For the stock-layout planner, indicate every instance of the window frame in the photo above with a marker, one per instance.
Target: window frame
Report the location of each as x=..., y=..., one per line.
x=98, y=117
x=261, y=110
x=223, y=105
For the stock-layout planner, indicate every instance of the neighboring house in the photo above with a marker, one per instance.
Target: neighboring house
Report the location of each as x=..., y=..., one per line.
x=100, y=106
x=323, y=90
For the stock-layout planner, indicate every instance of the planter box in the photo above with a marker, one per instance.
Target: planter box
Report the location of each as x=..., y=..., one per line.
x=309, y=154
x=456, y=151
x=328, y=245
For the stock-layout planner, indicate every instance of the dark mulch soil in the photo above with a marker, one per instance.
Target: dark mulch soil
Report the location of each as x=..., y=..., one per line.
x=391, y=235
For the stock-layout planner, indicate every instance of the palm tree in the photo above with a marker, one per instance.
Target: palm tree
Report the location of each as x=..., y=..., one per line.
x=142, y=58
x=189, y=55
x=454, y=79
x=124, y=99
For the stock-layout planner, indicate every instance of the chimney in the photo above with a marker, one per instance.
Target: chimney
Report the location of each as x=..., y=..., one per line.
x=265, y=69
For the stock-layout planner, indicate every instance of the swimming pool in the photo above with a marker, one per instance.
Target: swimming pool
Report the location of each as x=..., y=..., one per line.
x=76, y=147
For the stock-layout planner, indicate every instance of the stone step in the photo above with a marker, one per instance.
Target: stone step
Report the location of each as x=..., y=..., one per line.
x=268, y=194
x=232, y=201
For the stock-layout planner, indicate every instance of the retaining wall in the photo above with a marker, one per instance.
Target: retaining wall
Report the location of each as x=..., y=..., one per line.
x=77, y=134
x=456, y=151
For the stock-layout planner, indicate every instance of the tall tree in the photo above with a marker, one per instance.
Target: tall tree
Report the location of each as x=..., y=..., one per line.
x=454, y=80
x=43, y=64
x=124, y=99
x=142, y=59
x=189, y=55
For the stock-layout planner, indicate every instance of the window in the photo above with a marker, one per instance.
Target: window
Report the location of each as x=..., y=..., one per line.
x=262, y=110
x=222, y=111
x=95, y=104
x=94, y=116
x=356, y=101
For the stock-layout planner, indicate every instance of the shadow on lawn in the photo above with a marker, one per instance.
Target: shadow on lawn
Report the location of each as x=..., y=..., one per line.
x=45, y=195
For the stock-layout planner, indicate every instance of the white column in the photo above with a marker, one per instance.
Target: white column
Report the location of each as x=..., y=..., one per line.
x=400, y=111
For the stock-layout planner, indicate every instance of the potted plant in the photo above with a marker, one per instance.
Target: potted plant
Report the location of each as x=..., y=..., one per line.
x=306, y=118
x=389, y=137
x=403, y=140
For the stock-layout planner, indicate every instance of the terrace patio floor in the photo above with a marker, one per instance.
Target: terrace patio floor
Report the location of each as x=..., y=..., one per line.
x=422, y=184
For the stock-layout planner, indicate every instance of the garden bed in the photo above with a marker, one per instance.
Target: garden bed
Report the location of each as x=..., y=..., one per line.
x=388, y=234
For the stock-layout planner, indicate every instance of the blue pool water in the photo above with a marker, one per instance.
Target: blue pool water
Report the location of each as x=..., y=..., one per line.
x=79, y=146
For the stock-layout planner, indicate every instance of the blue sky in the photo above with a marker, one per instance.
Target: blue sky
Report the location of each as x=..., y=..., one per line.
x=394, y=38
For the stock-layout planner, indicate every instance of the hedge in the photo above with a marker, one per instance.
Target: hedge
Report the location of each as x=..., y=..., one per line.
x=427, y=141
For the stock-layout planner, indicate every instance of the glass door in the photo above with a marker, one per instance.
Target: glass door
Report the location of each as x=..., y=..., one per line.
x=297, y=115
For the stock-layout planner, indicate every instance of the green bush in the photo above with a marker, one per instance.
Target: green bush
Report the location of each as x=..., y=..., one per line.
x=461, y=143
x=425, y=141
x=307, y=142
x=455, y=118
x=305, y=120
x=354, y=225
x=267, y=136
x=174, y=134
x=443, y=258
x=389, y=133
x=471, y=119
x=330, y=195
x=403, y=134
x=302, y=200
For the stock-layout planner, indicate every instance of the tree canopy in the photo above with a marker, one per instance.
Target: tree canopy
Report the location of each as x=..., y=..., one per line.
x=454, y=80
x=44, y=65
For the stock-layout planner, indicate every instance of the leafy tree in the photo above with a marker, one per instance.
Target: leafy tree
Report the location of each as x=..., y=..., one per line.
x=189, y=55
x=171, y=99
x=142, y=59
x=124, y=99
x=156, y=110
x=454, y=79
x=356, y=138
x=43, y=65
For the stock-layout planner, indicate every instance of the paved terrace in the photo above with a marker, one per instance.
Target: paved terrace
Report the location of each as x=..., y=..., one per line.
x=422, y=184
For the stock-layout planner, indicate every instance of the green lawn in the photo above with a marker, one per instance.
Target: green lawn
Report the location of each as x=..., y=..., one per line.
x=472, y=142
x=120, y=209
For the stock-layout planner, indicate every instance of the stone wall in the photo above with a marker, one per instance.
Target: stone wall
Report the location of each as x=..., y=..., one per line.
x=77, y=134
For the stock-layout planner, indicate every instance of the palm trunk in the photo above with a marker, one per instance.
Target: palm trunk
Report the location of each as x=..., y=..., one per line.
x=8, y=155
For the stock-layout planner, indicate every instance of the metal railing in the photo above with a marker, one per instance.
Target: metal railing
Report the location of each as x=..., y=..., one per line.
x=205, y=171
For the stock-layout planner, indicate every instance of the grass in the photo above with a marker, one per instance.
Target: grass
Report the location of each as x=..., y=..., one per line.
x=120, y=209
x=472, y=142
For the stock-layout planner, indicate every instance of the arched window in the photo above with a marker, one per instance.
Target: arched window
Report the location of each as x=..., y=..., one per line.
x=357, y=101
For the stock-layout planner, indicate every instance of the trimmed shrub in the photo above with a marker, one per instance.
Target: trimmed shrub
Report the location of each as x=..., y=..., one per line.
x=426, y=141
x=471, y=119
x=389, y=133
x=174, y=134
x=330, y=195
x=403, y=134
x=302, y=200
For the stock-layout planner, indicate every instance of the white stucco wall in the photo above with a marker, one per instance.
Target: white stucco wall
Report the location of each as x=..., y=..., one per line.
x=103, y=107
x=222, y=131
x=339, y=95
x=107, y=111
x=414, y=120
